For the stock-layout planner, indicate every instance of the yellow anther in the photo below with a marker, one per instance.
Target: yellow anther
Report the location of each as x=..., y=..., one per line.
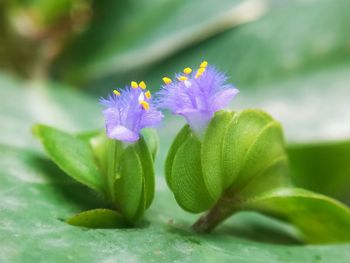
x=199, y=73
x=144, y=104
x=148, y=94
x=167, y=80
x=116, y=92
x=204, y=64
x=182, y=78
x=134, y=84
x=142, y=85
x=187, y=71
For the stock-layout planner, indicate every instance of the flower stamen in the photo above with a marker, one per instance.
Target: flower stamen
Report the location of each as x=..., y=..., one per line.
x=200, y=72
x=134, y=84
x=204, y=64
x=142, y=85
x=167, y=80
x=148, y=94
x=144, y=104
x=187, y=71
x=116, y=92
x=182, y=78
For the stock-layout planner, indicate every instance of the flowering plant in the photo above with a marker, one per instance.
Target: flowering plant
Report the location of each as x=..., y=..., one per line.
x=118, y=162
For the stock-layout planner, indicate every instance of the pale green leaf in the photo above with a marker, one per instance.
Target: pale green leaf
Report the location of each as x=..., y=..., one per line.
x=72, y=155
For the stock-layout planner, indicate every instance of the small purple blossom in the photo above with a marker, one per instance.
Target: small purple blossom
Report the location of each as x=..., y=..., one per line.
x=197, y=95
x=128, y=111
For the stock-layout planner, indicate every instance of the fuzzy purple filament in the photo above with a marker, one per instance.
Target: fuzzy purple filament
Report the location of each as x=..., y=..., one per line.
x=197, y=96
x=126, y=113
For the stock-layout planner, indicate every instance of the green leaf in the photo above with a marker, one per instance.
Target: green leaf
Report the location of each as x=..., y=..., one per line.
x=187, y=177
x=320, y=218
x=140, y=38
x=212, y=153
x=129, y=185
x=36, y=197
x=322, y=167
x=72, y=155
x=180, y=138
x=152, y=140
x=252, y=144
x=98, y=218
x=141, y=147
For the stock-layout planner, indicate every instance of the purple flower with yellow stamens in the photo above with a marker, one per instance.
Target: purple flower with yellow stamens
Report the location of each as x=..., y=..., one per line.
x=197, y=95
x=128, y=111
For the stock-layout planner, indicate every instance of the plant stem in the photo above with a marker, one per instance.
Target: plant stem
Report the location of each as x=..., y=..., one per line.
x=223, y=208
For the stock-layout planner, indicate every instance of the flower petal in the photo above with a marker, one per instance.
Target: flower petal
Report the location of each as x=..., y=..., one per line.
x=223, y=98
x=198, y=120
x=122, y=133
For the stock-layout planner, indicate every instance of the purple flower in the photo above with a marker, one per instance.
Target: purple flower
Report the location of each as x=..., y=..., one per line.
x=197, y=95
x=128, y=111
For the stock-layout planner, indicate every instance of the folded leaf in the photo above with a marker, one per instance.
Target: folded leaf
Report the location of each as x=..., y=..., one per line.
x=72, y=154
x=98, y=218
x=321, y=219
x=187, y=177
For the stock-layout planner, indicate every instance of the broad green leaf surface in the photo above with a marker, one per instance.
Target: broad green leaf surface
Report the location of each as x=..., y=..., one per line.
x=138, y=33
x=300, y=207
x=72, y=155
x=37, y=198
x=322, y=167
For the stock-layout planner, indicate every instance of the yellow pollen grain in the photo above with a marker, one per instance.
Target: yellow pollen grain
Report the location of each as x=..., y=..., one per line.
x=116, y=92
x=134, y=84
x=144, y=104
x=142, y=85
x=148, y=94
x=167, y=80
x=182, y=78
x=187, y=71
x=204, y=64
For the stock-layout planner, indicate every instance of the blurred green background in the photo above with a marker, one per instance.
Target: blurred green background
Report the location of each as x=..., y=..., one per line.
x=57, y=57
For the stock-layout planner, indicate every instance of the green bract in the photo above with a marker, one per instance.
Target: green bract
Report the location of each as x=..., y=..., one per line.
x=241, y=164
x=122, y=173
